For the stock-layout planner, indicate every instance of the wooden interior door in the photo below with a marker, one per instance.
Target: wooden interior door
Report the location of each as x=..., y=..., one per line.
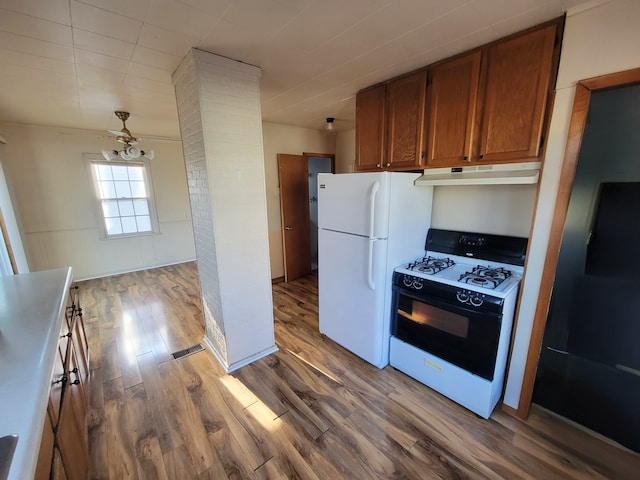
x=293, y=176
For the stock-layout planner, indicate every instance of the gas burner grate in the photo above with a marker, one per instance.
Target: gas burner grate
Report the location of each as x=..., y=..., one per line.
x=431, y=265
x=486, y=277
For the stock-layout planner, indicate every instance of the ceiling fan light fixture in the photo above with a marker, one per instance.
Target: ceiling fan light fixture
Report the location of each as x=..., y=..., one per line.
x=133, y=152
x=109, y=154
x=148, y=153
x=329, y=125
x=129, y=152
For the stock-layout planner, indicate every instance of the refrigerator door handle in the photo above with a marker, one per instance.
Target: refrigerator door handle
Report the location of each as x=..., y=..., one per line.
x=372, y=217
x=372, y=211
x=372, y=285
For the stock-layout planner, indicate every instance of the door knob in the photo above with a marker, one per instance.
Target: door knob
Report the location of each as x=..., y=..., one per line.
x=288, y=227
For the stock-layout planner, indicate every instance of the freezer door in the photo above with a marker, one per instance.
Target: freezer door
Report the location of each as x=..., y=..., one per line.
x=355, y=203
x=352, y=295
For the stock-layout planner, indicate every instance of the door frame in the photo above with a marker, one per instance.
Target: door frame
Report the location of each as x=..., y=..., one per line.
x=332, y=156
x=7, y=242
x=577, y=124
x=306, y=156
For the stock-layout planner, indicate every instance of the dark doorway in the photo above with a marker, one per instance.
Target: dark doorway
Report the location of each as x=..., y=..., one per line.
x=589, y=368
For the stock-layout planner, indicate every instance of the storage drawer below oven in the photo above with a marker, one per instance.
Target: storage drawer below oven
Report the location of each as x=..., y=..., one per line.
x=471, y=391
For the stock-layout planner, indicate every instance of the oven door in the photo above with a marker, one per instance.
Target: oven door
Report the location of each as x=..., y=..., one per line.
x=459, y=335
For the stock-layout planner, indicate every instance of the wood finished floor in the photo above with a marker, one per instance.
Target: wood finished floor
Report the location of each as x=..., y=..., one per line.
x=311, y=410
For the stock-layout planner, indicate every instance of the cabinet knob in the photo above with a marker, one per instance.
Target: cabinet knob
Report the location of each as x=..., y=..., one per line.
x=465, y=158
x=378, y=165
x=481, y=157
x=388, y=164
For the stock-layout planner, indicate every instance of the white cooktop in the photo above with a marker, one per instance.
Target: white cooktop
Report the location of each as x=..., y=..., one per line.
x=452, y=275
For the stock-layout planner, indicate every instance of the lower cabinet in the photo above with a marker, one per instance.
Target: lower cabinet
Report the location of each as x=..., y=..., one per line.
x=57, y=468
x=64, y=451
x=71, y=439
x=43, y=467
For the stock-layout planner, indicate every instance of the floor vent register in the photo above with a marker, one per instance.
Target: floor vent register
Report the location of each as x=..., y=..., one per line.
x=188, y=351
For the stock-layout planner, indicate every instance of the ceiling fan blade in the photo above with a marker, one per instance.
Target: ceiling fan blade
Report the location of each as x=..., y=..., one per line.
x=118, y=132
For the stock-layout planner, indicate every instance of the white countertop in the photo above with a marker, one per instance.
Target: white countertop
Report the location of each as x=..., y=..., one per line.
x=31, y=316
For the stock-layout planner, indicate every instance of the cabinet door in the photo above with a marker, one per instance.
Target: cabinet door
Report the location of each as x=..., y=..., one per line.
x=518, y=72
x=76, y=391
x=71, y=441
x=81, y=346
x=370, y=128
x=57, y=468
x=453, y=97
x=45, y=455
x=405, y=120
x=59, y=380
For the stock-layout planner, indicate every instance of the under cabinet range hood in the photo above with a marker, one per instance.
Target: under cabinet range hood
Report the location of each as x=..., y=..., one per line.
x=502, y=174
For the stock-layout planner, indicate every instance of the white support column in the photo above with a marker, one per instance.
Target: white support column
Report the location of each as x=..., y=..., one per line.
x=221, y=127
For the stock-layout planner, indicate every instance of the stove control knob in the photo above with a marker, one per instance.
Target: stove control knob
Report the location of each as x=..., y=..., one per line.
x=417, y=283
x=462, y=296
x=476, y=300
x=407, y=280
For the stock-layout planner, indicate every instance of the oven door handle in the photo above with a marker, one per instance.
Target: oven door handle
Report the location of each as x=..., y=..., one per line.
x=372, y=285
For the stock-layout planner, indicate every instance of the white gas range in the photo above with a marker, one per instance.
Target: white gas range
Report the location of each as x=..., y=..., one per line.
x=452, y=314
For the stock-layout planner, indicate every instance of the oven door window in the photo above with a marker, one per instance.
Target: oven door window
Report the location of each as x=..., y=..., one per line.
x=463, y=337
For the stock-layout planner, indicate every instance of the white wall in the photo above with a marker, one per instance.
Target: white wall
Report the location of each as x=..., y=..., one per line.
x=497, y=209
x=56, y=211
x=294, y=140
x=597, y=41
x=346, y=151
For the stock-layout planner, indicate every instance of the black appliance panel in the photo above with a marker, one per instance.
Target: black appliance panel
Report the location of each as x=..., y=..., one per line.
x=482, y=246
x=465, y=337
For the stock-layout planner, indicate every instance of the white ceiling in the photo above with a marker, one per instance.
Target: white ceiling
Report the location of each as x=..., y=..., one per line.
x=71, y=63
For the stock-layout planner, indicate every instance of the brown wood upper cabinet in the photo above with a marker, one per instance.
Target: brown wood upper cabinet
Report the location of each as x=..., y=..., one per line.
x=453, y=98
x=390, y=124
x=405, y=120
x=489, y=105
x=370, y=128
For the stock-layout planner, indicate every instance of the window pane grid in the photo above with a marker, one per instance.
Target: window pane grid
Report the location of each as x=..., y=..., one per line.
x=124, y=197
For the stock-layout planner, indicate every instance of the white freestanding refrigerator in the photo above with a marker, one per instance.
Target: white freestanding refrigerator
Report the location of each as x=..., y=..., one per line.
x=368, y=223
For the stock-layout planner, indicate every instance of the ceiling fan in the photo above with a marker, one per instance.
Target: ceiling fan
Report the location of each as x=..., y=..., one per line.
x=130, y=151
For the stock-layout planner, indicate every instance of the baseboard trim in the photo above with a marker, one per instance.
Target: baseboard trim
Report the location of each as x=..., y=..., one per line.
x=239, y=364
x=509, y=410
x=277, y=280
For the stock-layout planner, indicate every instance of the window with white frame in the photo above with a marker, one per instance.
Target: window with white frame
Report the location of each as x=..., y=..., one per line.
x=124, y=193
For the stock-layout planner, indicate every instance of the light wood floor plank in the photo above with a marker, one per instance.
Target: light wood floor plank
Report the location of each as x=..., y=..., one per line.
x=312, y=410
x=120, y=456
x=147, y=446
